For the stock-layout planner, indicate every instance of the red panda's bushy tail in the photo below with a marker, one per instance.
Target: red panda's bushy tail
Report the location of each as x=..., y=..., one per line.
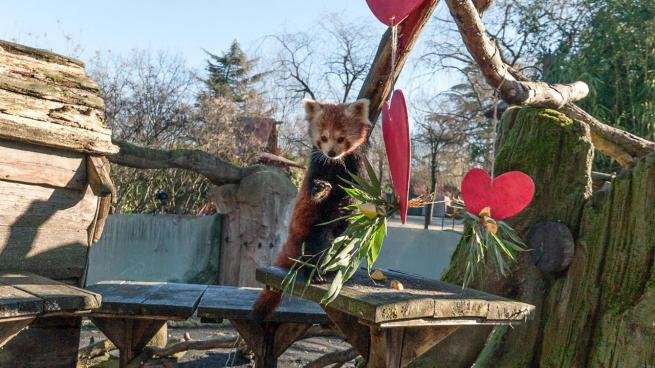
x=269, y=299
x=265, y=304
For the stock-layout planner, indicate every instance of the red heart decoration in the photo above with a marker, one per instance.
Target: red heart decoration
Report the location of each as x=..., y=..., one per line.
x=392, y=12
x=506, y=195
x=395, y=131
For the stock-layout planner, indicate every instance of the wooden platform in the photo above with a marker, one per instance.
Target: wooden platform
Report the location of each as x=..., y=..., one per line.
x=394, y=327
x=132, y=312
x=26, y=296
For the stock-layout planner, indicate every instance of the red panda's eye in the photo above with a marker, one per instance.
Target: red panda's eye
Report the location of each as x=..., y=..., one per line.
x=340, y=140
x=324, y=138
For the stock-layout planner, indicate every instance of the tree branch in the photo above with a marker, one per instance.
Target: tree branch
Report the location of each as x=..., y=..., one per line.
x=213, y=168
x=379, y=82
x=337, y=358
x=497, y=73
x=514, y=88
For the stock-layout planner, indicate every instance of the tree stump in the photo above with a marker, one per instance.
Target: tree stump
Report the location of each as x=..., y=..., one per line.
x=599, y=312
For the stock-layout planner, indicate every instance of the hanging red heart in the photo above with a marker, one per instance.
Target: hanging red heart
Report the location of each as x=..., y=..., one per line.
x=395, y=131
x=392, y=12
x=506, y=195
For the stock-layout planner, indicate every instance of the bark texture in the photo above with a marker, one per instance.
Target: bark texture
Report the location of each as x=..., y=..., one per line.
x=600, y=312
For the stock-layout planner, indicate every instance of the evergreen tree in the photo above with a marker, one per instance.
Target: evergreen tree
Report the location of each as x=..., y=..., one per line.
x=230, y=74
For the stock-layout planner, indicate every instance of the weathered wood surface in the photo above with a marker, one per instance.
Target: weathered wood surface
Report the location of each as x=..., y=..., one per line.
x=47, y=99
x=36, y=295
x=44, y=229
x=129, y=335
x=231, y=303
x=256, y=214
x=150, y=300
x=98, y=176
x=421, y=298
x=30, y=164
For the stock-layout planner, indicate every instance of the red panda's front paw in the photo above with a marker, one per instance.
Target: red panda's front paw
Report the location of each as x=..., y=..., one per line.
x=320, y=190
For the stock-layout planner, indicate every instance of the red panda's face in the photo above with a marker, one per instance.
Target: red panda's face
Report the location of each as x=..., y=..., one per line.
x=337, y=129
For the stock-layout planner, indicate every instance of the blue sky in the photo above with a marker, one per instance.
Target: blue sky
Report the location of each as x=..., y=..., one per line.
x=80, y=28
x=183, y=27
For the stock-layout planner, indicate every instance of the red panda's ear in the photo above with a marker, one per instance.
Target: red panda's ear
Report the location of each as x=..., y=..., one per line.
x=312, y=108
x=359, y=110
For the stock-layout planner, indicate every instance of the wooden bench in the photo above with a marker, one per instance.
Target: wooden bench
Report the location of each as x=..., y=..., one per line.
x=26, y=296
x=274, y=336
x=133, y=312
x=391, y=328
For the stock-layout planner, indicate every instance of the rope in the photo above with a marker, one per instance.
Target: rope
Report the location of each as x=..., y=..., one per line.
x=394, y=48
x=494, y=126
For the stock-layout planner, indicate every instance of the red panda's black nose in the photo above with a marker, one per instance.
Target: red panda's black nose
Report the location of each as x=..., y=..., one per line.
x=331, y=153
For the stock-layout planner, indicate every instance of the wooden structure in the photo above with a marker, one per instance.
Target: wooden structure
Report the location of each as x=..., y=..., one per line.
x=133, y=312
x=52, y=174
x=390, y=327
x=269, y=339
x=25, y=296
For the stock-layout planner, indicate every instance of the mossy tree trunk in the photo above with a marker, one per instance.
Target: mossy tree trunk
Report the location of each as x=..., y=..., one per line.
x=600, y=312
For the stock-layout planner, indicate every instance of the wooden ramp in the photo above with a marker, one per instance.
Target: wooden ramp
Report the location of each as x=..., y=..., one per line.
x=394, y=327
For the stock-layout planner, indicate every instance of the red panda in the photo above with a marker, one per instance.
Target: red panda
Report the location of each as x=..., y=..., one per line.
x=338, y=134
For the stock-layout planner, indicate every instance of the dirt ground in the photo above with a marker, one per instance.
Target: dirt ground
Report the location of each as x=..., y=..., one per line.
x=298, y=355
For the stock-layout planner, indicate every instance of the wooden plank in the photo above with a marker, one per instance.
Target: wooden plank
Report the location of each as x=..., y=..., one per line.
x=37, y=132
x=148, y=299
x=419, y=340
x=9, y=329
x=123, y=297
x=15, y=303
x=98, y=175
x=40, y=54
x=130, y=336
x=26, y=163
x=36, y=206
x=44, y=230
x=421, y=298
x=57, y=296
x=231, y=302
x=174, y=300
x=356, y=333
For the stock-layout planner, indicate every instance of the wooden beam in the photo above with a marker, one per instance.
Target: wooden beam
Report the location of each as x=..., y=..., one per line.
x=380, y=79
x=213, y=168
x=98, y=176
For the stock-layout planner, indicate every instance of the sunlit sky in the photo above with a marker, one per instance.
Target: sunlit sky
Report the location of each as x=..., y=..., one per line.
x=80, y=28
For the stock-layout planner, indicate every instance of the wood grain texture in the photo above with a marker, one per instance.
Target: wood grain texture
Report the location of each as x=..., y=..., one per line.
x=421, y=298
x=56, y=296
x=148, y=299
x=236, y=303
x=98, y=176
x=9, y=329
x=44, y=230
x=26, y=163
x=49, y=100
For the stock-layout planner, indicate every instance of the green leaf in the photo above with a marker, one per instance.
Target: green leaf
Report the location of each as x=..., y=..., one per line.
x=375, y=181
x=335, y=288
x=376, y=243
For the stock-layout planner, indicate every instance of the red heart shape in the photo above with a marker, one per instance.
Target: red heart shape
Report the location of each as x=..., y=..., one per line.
x=395, y=131
x=392, y=12
x=506, y=195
